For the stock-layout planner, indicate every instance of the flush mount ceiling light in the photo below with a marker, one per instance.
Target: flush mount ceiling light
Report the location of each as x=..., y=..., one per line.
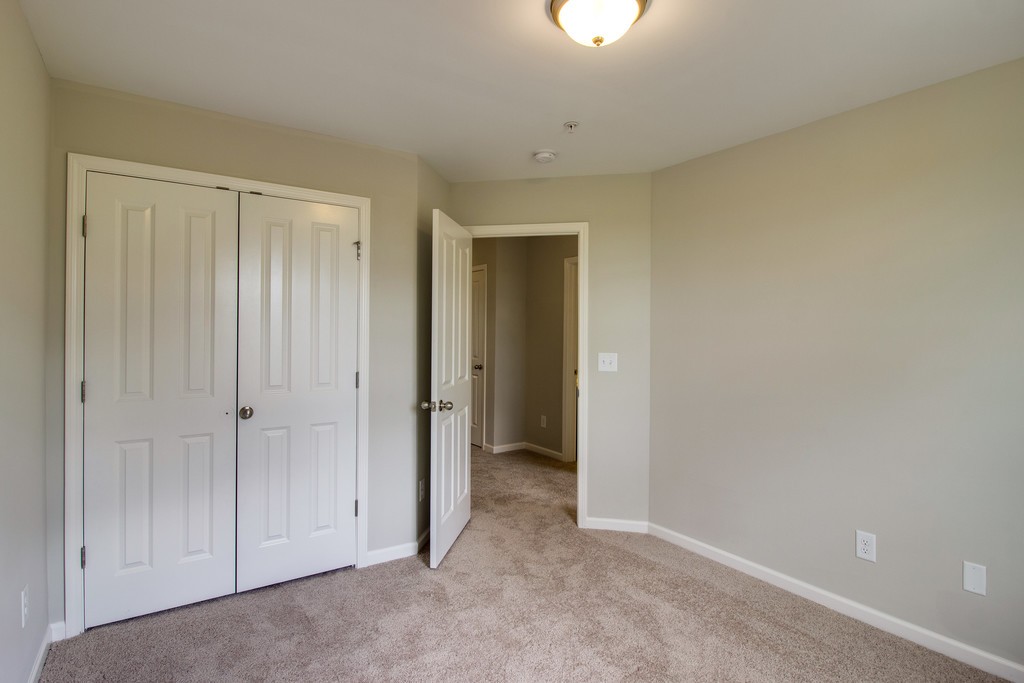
x=596, y=22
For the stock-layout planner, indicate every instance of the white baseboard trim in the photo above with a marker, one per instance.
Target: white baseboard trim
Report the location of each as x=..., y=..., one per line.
x=606, y=524
x=963, y=652
x=44, y=648
x=540, y=450
x=523, y=446
x=395, y=552
x=505, y=448
x=58, y=631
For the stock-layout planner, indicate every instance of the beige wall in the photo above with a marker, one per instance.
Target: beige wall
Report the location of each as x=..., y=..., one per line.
x=838, y=330
x=508, y=355
x=432, y=193
x=24, y=137
x=545, y=321
x=618, y=210
x=110, y=124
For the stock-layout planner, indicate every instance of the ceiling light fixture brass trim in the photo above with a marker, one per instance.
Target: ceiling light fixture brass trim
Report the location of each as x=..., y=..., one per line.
x=556, y=6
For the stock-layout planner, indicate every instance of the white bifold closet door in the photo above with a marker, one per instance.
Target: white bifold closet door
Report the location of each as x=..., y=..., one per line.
x=160, y=313
x=201, y=305
x=297, y=324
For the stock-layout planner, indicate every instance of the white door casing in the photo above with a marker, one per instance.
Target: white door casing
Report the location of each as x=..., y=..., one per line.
x=159, y=442
x=450, y=384
x=297, y=320
x=570, y=362
x=479, y=356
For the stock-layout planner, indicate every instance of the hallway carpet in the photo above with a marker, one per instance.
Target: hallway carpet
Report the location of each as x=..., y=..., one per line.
x=524, y=595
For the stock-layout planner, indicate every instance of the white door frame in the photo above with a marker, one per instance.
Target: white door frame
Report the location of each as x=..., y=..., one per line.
x=74, y=310
x=580, y=230
x=569, y=400
x=483, y=355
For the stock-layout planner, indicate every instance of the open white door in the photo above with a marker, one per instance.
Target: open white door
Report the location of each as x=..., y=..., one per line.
x=450, y=385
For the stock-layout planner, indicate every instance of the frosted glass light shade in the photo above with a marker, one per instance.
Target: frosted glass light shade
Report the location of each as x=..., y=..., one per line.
x=596, y=22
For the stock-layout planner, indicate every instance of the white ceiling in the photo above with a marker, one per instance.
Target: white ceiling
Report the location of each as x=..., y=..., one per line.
x=476, y=86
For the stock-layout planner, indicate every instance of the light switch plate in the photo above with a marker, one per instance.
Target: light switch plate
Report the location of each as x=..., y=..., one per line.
x=975, y=578
x=607, y=362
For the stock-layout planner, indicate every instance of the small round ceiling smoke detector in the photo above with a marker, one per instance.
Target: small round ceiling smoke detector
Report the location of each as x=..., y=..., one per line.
x=571, y=126
x=544, y=156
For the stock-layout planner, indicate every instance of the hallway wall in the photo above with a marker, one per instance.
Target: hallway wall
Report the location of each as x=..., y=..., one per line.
x=505, y=369
x=545, y=295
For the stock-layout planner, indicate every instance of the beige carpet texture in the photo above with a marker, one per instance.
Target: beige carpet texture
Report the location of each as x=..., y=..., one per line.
x=524, y=595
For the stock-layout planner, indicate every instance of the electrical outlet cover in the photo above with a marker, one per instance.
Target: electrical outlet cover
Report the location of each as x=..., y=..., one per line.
x=865, y=546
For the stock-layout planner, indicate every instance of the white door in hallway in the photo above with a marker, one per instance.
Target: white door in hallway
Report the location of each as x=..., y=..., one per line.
x=297, y=333
x=450, y=385
x=479, y=355
x=159, y=438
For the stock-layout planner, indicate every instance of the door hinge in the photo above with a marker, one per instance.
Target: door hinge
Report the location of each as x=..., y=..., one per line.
x=83, y=391
x=359, y=250
x=85, y=226
x=357, y=507
x=357, y=380
x=83, y=557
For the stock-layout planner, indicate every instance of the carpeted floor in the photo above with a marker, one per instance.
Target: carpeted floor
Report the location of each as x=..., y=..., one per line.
x=524, y=595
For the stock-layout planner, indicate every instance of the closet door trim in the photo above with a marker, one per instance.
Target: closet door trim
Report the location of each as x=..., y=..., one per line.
x=78, y=166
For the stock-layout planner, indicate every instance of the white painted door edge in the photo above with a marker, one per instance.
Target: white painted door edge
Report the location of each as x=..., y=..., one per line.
x=78, y=166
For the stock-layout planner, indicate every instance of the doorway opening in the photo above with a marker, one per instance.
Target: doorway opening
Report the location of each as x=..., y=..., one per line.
x=524, y=345
x=451, y=379
x=577, y=272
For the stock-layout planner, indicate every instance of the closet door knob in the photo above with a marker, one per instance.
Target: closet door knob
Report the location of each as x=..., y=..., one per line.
x=245, y=413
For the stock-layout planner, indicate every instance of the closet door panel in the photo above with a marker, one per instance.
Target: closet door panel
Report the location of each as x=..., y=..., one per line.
x=160, y=372
x=298, y=280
